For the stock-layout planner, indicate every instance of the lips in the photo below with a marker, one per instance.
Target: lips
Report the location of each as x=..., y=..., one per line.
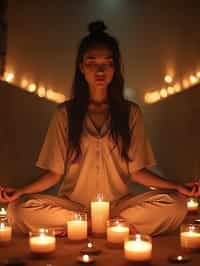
x=99, y=79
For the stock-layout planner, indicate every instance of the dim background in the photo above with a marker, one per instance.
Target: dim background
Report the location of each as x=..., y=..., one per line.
x=156, y=38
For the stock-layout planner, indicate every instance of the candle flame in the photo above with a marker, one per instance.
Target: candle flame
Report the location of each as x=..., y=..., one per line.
x=3, y=211
x=179, y=258
x=2, y=225
x=138, y=238
x=78, y=217
x=89, y=245
x=86, y=258
x=100, y=197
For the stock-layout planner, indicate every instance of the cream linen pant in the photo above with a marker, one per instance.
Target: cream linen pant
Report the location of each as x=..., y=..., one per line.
x=153, y=212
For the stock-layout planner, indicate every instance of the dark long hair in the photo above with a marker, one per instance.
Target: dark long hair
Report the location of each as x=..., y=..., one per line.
x=119, y=107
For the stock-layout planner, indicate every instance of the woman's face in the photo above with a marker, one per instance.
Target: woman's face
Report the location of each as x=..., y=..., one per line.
x=97, y=68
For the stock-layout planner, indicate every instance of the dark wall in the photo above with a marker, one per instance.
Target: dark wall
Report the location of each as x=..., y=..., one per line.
x=24, y=121
x=174, y=128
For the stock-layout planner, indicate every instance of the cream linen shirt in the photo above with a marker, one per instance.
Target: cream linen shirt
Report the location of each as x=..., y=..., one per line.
x=100, y=168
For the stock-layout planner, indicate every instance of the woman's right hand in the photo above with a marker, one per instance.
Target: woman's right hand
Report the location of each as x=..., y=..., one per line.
x=8, y=194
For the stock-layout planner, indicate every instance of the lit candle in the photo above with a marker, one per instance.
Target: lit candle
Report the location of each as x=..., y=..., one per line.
x=190, y=239
x=5, y=233
x=137, y=249
x=42, y=242
x=192, y=205
x=77, y=228
x=117, y=231
x=3, y=213
x=85, y=259
x=99, y=215
x=90, y=249
x=179, y=259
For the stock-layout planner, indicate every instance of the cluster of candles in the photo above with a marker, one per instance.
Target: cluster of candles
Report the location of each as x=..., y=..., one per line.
x=137, y=247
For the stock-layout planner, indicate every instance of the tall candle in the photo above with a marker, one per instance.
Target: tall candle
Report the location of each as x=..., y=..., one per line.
x=5, y=233
x=42, y=243
x=138, y=250
x=99, y=215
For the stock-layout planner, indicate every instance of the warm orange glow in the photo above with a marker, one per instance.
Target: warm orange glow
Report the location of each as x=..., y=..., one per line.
x=32, y=87
x=55, y=96
x=168, y=79
x=177, y=87
x=186, y=84
x=9, y=76
x=198, y=74
x=193, y=79
x=152, y=97
x=41, y=92
x=24, y=83
x=170, y=90
x=163, y=93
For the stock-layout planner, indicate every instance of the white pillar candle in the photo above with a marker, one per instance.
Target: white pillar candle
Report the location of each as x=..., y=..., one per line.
x=138, y=249
x=190, y=239
x=99, y=215
x=77, y=230
x=117, y=234
x=5, y=233
x=192, y=205
x=42, y=243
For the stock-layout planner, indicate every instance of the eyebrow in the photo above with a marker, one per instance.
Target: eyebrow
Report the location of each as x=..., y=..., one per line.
x=94, y=57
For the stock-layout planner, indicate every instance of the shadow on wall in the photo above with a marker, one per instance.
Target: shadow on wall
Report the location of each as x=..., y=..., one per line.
x=24, y=120
x=174, y=129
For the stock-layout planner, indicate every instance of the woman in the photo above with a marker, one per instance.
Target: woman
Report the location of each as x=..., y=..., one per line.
x=97, y=142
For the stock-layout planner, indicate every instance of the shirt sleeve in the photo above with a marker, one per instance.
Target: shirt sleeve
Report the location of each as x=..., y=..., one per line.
x=140, y=151
x=53, y=153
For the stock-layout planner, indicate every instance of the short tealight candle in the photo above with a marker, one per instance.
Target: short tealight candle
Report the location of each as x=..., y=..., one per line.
x=90, y=249
x=117, y=231
x=179, y=259
x=192, y=204
x=138, y=248
x=5, y=232
x=85, y=259
x=42, y=241
x=77, y=227
x=99, y=214
x=190, y=236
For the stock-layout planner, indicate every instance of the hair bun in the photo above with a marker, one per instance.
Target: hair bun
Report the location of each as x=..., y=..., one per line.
x=97, y=26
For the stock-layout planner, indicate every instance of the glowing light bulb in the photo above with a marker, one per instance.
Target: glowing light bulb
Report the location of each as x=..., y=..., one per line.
x=41, y=92
x=163, y=93
x=32, y=87
x=168, y=78
x=9, y=77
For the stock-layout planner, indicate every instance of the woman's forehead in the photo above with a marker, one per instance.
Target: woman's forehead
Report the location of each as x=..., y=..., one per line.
x=100, y=52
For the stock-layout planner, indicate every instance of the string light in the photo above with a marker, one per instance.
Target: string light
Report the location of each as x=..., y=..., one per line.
x=151, y=97
x=31, y=87
x=168, y=79
x=9, y=77
x=41, y=92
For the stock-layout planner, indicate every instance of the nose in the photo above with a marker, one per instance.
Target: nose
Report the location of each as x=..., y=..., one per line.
x=100, y=68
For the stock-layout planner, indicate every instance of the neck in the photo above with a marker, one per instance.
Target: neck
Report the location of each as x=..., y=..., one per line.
x=98, y=95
